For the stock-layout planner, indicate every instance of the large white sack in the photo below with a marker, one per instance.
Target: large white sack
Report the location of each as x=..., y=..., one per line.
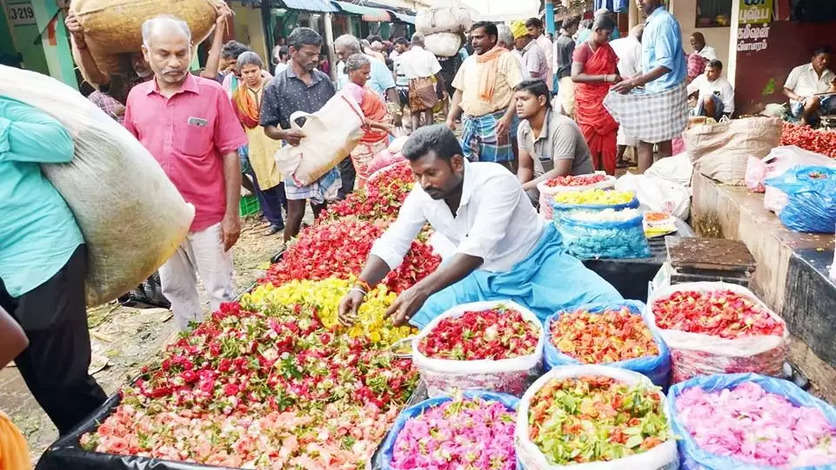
x=443, y=44
x=132, y=217
x=677, y=168
x=657, y=194
x=443, y=20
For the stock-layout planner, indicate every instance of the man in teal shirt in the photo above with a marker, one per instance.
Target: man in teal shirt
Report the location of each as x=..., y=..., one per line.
x=43, y=263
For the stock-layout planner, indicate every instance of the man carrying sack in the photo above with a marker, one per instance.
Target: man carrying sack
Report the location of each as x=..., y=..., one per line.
x=484, y=93
x=419, y=66
x=658, y=113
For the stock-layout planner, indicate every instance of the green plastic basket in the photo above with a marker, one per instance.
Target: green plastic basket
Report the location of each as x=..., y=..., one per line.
x=248, y=205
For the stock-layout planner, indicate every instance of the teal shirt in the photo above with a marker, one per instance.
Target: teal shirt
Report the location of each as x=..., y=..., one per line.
x=38, y=233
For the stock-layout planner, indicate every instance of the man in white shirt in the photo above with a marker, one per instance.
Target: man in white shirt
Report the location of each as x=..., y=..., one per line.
x=419, y=66
x=401, y=82
x=715, y=93
x=629, y=52
x=536, y=30
x=701, y=48
x=533, y=60
x=810, y=87
x=504, y=250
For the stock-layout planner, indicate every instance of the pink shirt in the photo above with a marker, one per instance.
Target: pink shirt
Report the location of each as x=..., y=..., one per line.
x=188, y=134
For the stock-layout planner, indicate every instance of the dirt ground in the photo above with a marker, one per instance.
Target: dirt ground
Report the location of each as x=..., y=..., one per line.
x=126, y=338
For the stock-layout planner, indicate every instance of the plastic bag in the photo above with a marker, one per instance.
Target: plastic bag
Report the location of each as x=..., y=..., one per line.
x=443, y=44
x=131, y=215
x=657, y=194
x=676, y=169
x=779, y=160
x=513, y=375
x=756, y=170
x=388, y=447
x=548, y=192
x=593, y=240
x=693, y=457
x=384, y=159
x=113, y=27
x=695, y=354
x=720, y=151
x=559, y=209
x=663, y=456
x=811, y=198
x=657, y=368
x=330, y=135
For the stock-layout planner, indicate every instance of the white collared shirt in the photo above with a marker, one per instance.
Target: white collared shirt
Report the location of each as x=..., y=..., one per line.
x=495, y=220
x=418, y=62
x=708, y=53
x=720, y=87
x=804, y=81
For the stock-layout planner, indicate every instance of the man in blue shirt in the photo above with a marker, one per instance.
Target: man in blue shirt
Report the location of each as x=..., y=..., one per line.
x=660, y=112
x=43, y=263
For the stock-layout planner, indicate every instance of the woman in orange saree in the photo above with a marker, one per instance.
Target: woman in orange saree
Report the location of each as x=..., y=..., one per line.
x=594, y=72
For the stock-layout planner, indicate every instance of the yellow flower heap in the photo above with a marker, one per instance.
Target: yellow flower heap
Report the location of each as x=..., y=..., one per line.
x=325, y=296
x=594, y=197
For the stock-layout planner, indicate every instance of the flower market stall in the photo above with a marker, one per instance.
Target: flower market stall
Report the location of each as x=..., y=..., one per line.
x=274, y=381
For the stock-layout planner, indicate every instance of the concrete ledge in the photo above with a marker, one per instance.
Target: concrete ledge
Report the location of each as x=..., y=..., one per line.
x=791, y=276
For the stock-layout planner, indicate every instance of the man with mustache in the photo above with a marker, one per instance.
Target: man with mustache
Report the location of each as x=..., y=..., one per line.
x=189, y=126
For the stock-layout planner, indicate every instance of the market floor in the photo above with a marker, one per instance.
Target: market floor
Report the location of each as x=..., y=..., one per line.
x=126, y=338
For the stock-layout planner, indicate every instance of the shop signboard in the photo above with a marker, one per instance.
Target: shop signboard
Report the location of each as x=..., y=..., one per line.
x=20, y=13
x=755, y=11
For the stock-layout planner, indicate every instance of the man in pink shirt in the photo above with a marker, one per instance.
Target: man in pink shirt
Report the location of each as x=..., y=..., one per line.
x=189, y=126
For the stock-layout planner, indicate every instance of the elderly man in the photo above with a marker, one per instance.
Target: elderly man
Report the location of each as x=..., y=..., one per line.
x=380, y=81
x=715, y=95
x=484, y=93
x=538, y=32
x=534, y=61
x=811, y=87
x=660, y=112
x=300, y=87
x=419, y=66
x=701, y=56
x=504, y=250
x=187, y=123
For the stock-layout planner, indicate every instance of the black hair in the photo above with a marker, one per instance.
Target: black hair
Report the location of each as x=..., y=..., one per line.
x=402, y=41
x=715, y=64
x=437, y=138
x=249, y=58
x=536, y=87
x=304, y=36
x=822, y=50
x=232, y=49
x=284, y=51
x=604, y=22
x=373, y=38
x=490, y=28
x=533, y=23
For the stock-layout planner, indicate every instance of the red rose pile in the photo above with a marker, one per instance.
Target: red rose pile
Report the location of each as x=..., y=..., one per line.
x=340, y=248
x=497, y=333
x=725, y=314
x=819, y=141
x=580, y=180
x=600, y=338
x=381, y=198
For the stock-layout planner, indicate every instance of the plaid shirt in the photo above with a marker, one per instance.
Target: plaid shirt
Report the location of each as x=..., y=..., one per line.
x=650, y=117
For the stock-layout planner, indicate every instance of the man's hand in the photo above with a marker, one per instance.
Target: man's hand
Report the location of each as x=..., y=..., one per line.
x=230, y=229
x=224, y=14
x=74, y=27
x=293, y=136
x=349, y=305
x=503, y=126
x=451, y=123
x=405, y=306
x=624, y=86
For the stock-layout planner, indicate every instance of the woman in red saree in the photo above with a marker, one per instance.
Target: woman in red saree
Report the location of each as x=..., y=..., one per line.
x=594, y=71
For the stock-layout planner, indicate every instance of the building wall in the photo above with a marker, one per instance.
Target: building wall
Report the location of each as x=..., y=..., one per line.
x=685, y=12
x=249, y=29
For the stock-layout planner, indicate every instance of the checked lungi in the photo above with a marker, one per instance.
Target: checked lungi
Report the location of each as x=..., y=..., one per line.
x=650, y=117
x=480, y=141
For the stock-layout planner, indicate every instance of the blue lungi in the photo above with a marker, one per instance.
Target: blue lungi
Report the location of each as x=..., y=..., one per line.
x=546, y=281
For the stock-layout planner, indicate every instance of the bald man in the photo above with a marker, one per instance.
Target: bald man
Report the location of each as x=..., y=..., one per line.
x=702, y=55
x=189, y=126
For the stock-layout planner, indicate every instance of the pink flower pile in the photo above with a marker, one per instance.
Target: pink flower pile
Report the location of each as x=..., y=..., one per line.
x=754, y=426
x=463, y=433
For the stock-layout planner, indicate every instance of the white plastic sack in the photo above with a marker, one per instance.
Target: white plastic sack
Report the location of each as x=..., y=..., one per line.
x=330, y=135
x=443, y=44
x=512, y=376
x=699, y=354
x=779, y=160
x=441, y=20
x=677, y=168
x=657, y=194
x=663, y=456
x=547, y=193
x=132, y=217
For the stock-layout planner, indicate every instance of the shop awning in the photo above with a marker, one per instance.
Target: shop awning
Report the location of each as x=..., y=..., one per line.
x=367, y=13
x=403, y=18
x=319, y=6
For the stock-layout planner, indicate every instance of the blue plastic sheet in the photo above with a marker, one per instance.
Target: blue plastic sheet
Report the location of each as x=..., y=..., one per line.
x=561, y=209
x=692, y=457
x=657, y=368
x=594, y=240
x=388, y=447
x=811, y=198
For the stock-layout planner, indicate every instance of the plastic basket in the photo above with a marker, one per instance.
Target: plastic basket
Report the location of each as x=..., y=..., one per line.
x=249, y=205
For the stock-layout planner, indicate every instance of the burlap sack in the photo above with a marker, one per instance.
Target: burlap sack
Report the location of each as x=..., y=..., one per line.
x=721, y=150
